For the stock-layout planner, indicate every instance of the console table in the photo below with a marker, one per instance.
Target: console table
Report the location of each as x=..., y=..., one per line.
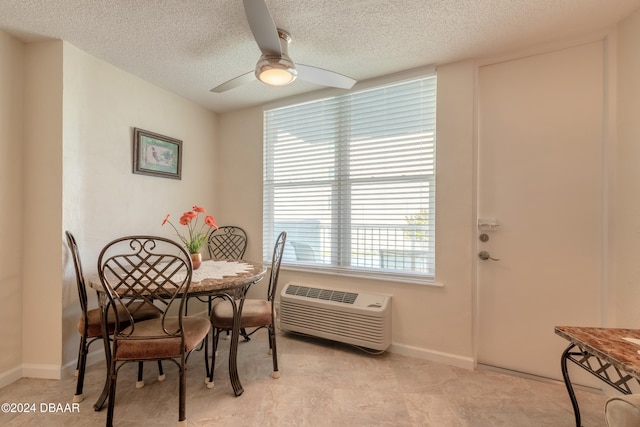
x=608, y=353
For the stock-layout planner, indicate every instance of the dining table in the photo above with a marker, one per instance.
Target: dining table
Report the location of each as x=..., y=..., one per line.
x=228, y=279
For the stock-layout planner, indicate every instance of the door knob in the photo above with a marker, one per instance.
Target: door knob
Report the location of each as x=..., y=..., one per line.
x=484, y=255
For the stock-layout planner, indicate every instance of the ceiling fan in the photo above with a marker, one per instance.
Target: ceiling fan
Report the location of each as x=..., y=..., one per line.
x=275, y=67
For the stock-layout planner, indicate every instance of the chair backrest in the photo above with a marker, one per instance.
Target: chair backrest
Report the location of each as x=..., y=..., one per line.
x=148, y=269
x=227, y=242
x=80, y=283
x=276, y=260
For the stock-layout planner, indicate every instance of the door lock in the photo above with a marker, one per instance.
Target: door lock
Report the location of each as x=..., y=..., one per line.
x=484, y=255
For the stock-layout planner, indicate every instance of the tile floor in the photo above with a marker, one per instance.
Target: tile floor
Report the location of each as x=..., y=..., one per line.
x=322, y=384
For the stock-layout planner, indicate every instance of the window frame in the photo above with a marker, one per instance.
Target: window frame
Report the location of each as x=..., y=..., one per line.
x=344, y=246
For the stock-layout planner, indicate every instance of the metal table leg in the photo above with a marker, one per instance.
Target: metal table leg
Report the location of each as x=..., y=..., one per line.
x=567, y=382
x=104, y=307
x=597, y=366
x=233, y=350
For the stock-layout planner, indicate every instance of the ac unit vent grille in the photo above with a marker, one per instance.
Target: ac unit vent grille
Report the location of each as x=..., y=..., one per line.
x=323, y=294
x=358, y=318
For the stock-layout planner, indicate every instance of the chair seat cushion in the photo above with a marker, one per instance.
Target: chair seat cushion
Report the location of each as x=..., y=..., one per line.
x=623, y=411
x=139, y=310
x=147, y=339
x=255, y=313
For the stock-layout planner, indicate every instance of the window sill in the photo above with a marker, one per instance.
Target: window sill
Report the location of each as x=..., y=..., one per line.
x=388, y=277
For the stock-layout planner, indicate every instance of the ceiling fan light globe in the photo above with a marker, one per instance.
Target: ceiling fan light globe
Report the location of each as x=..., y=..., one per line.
x=276, y=77
x=277, y=71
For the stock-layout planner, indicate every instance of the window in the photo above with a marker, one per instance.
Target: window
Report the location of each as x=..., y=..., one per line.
x=352, y=180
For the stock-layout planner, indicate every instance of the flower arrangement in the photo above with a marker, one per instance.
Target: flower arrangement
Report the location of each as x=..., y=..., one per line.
x=197, y=236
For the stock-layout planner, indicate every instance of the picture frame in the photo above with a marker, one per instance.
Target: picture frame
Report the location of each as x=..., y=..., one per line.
x=157, y=155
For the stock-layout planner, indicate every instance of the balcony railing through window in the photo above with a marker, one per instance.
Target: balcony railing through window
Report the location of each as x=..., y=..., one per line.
x=404, y=248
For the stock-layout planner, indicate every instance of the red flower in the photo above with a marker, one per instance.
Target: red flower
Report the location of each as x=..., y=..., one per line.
x=197, y=234
x=185, y=219
x=211, y=222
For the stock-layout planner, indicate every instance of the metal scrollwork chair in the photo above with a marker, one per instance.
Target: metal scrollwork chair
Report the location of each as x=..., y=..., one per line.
x=156, y=271
x=256, y=313
x=89, y=324
x=227, y=242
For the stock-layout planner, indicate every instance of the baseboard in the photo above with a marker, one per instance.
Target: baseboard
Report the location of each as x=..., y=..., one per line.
x=95, y=356
x=10, y=376
x=599, y=388
x=49, y=372
x=433, y=356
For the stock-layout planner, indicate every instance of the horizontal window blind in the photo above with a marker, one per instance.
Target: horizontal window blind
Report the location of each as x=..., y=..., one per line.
x=352, y=180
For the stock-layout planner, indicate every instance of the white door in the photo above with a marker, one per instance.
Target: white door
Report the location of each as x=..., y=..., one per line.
x=540, y=154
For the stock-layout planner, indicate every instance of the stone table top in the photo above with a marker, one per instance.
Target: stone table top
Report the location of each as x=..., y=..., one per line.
x=611, y=344
x=216, y=276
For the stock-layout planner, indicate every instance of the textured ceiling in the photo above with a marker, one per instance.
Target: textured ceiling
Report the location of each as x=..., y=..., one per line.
x=190, y=46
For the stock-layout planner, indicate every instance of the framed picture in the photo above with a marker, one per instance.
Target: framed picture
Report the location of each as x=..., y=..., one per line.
x=157, y=155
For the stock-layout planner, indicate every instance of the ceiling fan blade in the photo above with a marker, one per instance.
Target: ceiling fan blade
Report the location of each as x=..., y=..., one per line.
x=324, y=77
x=263, y=27
x=234, y=83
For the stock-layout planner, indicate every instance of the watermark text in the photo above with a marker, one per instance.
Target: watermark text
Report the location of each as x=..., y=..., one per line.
x=42, y=407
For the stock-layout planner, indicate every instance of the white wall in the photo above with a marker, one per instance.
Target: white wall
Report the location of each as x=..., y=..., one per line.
x=239, y=172
x=102, y=198
x=11, y=214
x=75, y=173
x=42, y=210
x=431, y=322
x=627, y=194
x=437, y=323
x=78, y=126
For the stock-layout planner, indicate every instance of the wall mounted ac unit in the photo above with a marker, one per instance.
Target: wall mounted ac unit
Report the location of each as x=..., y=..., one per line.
x=358, y=318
